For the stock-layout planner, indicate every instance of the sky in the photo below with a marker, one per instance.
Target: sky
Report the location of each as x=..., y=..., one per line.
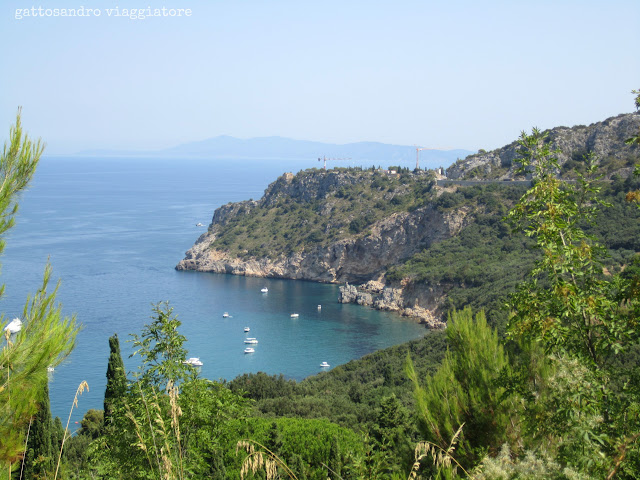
x=440, y=74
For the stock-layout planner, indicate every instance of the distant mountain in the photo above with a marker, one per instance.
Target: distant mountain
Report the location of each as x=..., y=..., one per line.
x=287, y=148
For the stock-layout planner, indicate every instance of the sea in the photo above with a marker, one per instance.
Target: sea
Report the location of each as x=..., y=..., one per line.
x=113, y=230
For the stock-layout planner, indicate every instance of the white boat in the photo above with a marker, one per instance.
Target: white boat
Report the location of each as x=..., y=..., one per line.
x=225, y=315
x=199, y=224
x=194, y=361
x=264, y=290
x=319, y=307
x=50, y=369
x=294, y=315
x=14, y=326
x=250, y=340
x=324, y=365
x=246, y=329
x=249, y=350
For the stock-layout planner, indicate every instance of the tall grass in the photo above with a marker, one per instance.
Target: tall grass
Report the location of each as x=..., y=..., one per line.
x=443, y=459
x=166, y=462
x=81, y=388
x=258, y=460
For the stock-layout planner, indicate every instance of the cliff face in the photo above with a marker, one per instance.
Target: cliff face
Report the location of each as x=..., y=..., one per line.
x=605, y=139
x=423, y=302
x=356, y=259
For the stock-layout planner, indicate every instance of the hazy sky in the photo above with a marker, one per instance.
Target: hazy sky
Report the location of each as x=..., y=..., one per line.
x=454, y=74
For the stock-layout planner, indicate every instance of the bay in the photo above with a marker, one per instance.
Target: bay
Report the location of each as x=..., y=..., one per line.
x=113, y=230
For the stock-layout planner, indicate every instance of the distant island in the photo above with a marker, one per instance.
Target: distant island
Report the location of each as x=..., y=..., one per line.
x=281, y=148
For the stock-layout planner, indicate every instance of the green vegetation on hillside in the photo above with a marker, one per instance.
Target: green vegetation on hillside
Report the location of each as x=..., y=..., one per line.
x=483, y=262
x=482, y=265
x=285, y=223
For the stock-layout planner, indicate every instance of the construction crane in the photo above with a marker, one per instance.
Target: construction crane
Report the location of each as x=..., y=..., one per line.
x=325, y=160
x=418, y=154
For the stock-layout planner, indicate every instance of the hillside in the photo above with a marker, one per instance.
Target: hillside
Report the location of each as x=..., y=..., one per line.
x=605, y=139
x=413, y=246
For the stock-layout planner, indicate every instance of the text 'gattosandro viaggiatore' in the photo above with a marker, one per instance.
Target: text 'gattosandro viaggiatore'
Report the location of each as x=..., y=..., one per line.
x=115, y=12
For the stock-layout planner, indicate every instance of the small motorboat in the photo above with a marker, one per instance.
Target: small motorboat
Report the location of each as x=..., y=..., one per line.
x=249, y=350
x=264, y=290
x=14, y=326
x=50, y=369
x=199, y=224
x=193, y=361
x=250, y=340
x=225, y=315
x=294, y=315
x=324, y=365
x=319, y=307
x=247, y=329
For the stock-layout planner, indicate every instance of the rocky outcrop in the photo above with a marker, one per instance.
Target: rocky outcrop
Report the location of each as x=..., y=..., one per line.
x=307, y=188
x=225, y=213
x=605, y=139
x=355, y=259
x=401, y=300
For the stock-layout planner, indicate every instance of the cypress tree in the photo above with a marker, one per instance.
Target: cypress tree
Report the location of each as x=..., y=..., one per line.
x=116, y=380
x=274, y=439
x=57, y=435
x=39, y=456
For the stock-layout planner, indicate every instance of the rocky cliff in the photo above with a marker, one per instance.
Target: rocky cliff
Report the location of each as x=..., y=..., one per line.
x=346, y=225
x=422, y=303
x=357, y=258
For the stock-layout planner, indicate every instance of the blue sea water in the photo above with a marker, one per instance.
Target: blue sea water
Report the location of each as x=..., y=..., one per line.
x=113, y=230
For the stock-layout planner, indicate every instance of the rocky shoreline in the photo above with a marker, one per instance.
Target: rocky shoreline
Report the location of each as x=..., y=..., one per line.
x=381, y=297
x=354, y=260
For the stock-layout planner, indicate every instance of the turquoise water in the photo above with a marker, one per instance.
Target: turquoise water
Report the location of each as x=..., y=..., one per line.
x=115, y=228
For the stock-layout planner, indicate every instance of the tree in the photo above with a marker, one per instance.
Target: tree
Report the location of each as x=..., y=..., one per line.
x=274, y=439
x=92, y=423
x=116, y=380
x=46, y=337
x=465, y=390
x=162, y=351
x=39, y=454
x=637, y=99
x=586, y=321
x=335, y=461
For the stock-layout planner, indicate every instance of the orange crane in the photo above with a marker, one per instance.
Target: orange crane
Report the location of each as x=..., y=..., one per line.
x=325, y=160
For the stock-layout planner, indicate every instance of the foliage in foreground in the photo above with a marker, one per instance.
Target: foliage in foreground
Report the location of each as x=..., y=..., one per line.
x=585, y=321
x=566, y=404
x=46, y=337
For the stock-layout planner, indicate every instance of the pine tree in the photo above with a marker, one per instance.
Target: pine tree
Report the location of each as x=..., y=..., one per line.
x=464, y=390
x=46, y=337
x=116, y=380
x=39, y=457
